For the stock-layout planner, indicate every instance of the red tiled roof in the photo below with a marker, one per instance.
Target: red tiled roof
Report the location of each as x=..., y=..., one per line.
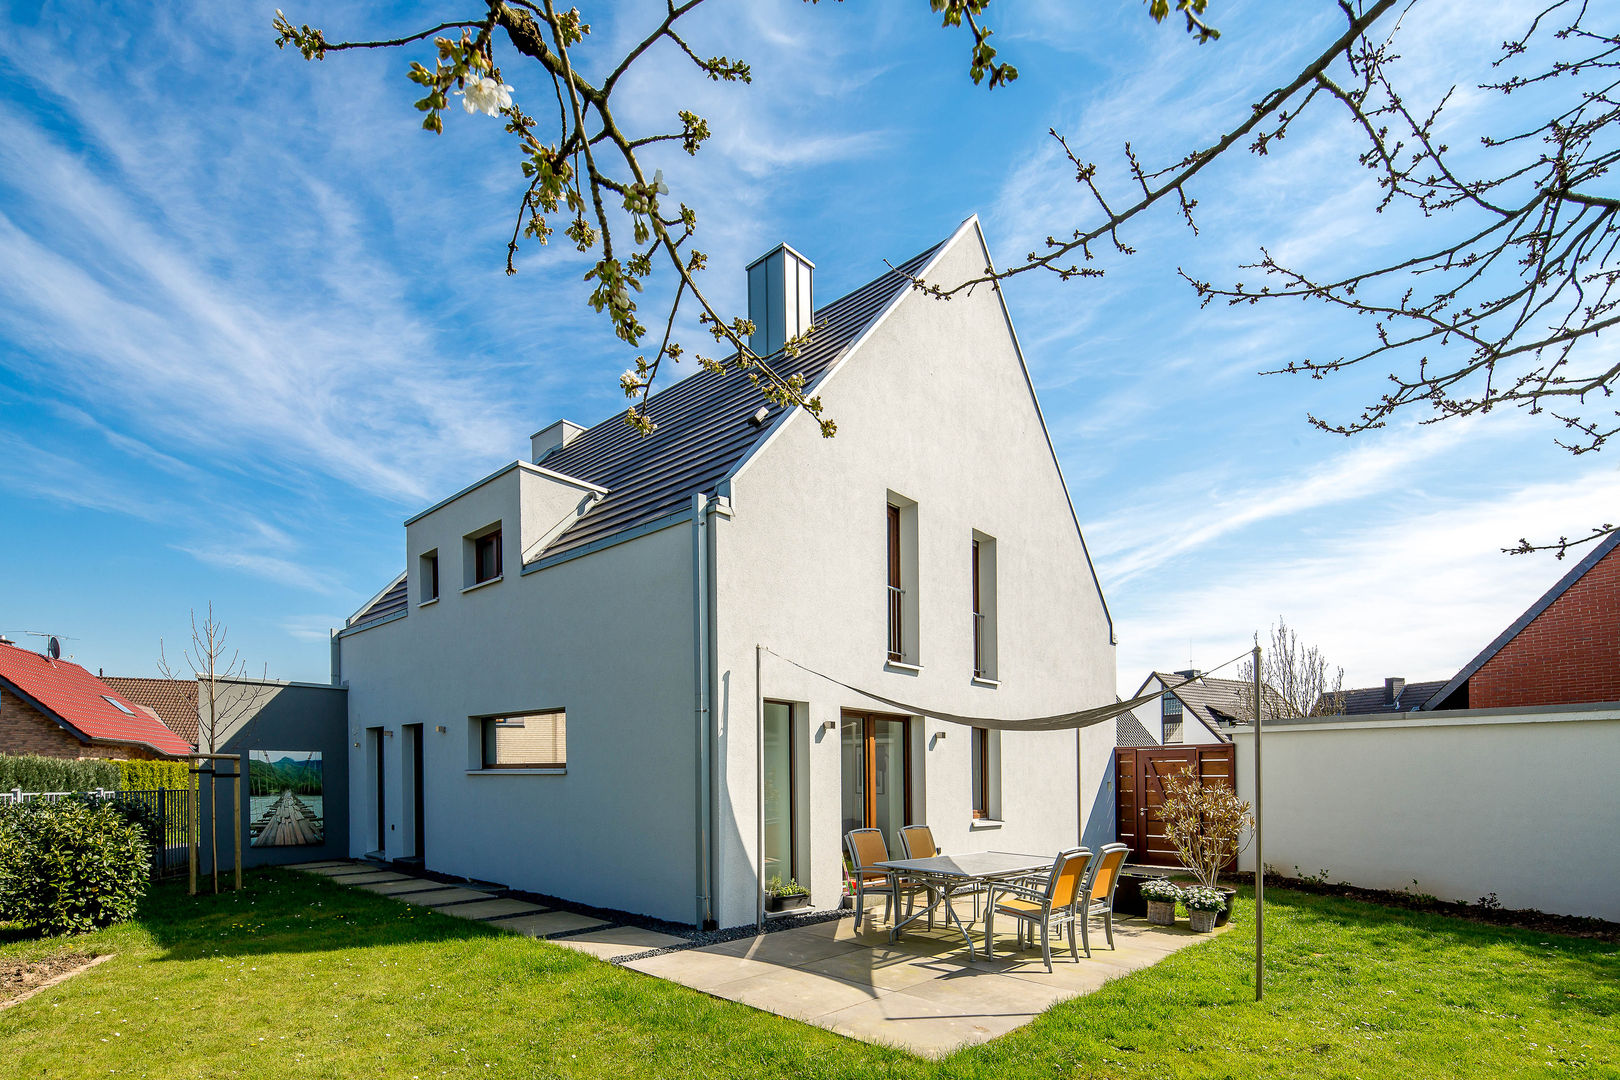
x=174, y=700
x=80, y=700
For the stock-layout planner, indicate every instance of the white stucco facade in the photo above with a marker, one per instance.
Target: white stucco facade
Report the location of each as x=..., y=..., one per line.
x=653, y=643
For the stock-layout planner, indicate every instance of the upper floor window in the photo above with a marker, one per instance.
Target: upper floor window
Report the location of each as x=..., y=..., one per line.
x=1172, y=713
x=983, y=572
x=900, y=594
x=429, y=587
x=483, y=555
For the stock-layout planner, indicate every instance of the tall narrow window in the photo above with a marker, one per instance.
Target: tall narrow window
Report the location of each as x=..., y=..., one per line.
x=979, y=668
x=983, y=573
x=430, y=577
x=981, y=773
x=897, y=595
x=780, y=792
x=1172, y=712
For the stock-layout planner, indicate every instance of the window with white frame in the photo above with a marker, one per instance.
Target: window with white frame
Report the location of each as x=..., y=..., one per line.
x=1172, y=713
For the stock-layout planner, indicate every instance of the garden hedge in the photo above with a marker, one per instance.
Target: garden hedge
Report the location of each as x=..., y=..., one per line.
x=71, y=865
x=153, y=775
x=33, y=773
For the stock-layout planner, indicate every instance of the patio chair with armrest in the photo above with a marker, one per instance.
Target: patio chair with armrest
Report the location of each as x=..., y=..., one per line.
x=866, y=847
x=1053, y=904
x=917, y=842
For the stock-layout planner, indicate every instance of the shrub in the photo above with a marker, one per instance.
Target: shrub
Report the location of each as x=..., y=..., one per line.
x=1161, y=889
x=33, y=773
x=70, y=866
x=1207, y=823
x=153, y=775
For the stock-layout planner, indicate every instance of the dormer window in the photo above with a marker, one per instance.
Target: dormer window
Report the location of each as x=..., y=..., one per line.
x=1172, y=714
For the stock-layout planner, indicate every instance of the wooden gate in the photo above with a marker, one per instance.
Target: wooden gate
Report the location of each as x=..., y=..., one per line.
x=1140, y=774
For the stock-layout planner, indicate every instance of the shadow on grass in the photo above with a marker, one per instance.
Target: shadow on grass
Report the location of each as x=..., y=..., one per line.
x=286, y=912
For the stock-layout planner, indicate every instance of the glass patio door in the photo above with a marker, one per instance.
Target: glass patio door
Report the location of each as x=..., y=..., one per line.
x=876, y=774
x=779, y=792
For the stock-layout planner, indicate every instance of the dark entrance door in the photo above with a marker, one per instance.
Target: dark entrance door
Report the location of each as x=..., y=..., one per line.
x=1140, y=774
x=382, y=789
x=417, y=786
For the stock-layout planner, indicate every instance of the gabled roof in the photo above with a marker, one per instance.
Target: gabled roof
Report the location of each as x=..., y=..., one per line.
x=1595, y=556
x=704, y=429
x=1370, y=700
x=85, y=705
x=174, y=701
x=1218, y=704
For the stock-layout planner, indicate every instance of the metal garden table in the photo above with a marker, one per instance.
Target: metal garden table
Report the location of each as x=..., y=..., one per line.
x=946, y=875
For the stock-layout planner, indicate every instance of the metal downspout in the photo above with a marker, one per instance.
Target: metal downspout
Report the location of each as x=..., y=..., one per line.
x=700, y=683
x=759, y=788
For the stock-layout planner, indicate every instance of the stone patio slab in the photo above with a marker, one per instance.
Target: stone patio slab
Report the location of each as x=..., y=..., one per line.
x=371, y=877
x=617, y=941
x=547, y=923
x=493, y=909
x=922, y=993
x=323, y=864
x=407, y=885
x=448, y=895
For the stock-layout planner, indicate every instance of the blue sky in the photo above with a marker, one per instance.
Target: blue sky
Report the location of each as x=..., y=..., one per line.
x=252, y=317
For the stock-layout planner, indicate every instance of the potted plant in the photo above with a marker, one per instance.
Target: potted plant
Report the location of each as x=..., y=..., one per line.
x=1203, y=905
x=1161, y=895
x=785, y=895
x=1209, y=825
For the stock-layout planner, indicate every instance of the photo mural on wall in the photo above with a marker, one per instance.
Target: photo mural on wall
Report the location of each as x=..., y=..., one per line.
x=285, y=798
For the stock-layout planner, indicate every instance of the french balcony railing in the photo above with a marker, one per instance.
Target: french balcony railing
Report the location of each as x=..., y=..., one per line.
x=897, y=611
x=981, y=668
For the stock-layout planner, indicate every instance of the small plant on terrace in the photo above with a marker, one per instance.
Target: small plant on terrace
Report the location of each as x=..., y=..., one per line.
x=1162, y=890
x=1202, y=898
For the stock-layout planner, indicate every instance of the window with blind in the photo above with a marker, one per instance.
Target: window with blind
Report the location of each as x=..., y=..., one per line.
x=526, y=741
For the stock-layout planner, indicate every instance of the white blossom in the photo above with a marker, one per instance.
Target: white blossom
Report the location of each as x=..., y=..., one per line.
x=658, y=183
x=485, y=95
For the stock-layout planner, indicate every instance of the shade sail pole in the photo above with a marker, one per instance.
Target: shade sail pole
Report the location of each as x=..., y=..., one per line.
x=1259, y=847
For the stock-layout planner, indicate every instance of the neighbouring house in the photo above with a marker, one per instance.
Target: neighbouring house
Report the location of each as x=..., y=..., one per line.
x=1395, y=696
x=55, y=708
x=1202, y=711
x=174, y=701
x=1563, y=650
x=633, y=671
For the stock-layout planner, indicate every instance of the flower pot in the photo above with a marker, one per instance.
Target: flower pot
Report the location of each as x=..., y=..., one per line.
x=787, y=903
x=1202, y=922
x=1225, y=913
x=1161, y=912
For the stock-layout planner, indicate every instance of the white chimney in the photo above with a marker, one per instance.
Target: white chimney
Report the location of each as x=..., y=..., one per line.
x=551, y=438
x=780, y=302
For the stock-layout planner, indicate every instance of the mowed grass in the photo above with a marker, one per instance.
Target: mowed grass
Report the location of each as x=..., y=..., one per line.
x=298, y=977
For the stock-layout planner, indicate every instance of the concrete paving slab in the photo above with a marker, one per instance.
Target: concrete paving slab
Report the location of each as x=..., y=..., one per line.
x=324, y=863
x=408, y=885
x=371, y=878
x=617, y=941
x=437, y=897
x=490, y=909
x=703, y=969
x=922, y=993
x=547, y=923
x=341, y=869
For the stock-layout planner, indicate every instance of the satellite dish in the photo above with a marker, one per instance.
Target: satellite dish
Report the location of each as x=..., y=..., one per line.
x=54, y=647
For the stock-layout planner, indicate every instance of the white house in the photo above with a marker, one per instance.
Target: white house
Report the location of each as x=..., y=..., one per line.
x=628, y=670
x=1196, y=713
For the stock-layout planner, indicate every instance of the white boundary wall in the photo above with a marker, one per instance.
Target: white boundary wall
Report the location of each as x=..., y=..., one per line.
x=1523, y=803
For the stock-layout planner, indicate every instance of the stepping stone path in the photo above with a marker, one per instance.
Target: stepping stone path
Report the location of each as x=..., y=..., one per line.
x=585, y=934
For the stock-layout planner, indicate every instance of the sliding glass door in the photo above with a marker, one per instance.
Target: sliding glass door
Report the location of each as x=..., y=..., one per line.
x=876, y=774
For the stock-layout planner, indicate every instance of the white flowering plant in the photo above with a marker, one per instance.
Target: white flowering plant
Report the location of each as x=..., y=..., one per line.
x=1203, y=898
x=1159, y=889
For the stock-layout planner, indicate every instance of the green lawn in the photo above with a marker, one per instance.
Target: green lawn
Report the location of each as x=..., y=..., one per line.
x=299, y=977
